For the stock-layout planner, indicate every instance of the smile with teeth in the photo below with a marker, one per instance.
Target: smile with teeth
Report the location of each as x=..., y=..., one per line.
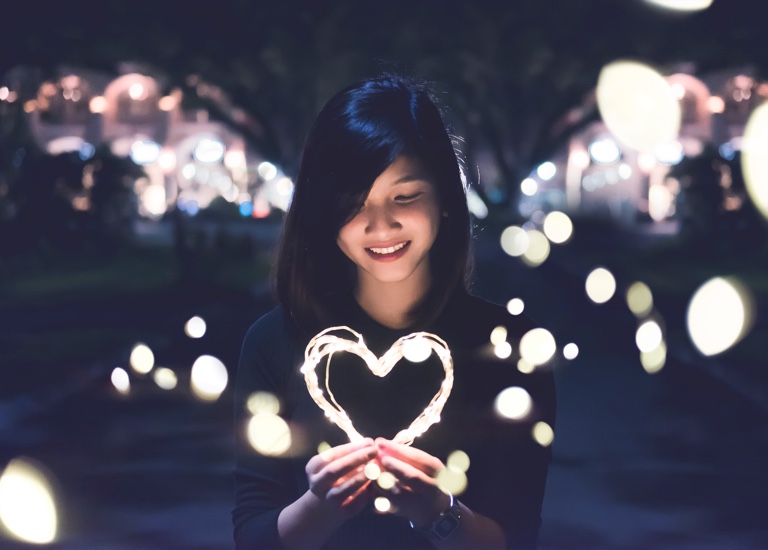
x=390, y=249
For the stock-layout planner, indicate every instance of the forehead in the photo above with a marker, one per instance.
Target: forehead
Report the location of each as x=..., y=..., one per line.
x=403, y=169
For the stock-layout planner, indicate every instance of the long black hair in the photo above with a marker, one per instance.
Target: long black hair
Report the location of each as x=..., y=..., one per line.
x=356, y=136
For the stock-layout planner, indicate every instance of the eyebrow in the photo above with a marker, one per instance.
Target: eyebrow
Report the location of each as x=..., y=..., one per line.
x=410, y=177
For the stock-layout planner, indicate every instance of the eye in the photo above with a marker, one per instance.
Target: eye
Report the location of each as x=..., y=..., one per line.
x=407, y=198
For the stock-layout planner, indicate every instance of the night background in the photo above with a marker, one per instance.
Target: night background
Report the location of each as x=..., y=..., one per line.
x=146, y=157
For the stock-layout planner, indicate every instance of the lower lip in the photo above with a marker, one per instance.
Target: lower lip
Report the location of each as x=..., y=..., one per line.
x=397, y=254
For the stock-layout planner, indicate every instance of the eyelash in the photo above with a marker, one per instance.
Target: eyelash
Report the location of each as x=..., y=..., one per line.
x=407, y=198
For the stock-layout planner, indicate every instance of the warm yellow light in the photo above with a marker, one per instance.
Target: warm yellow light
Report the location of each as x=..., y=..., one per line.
x=639, y=299
x=653, y=361
x=458, y=460
x=537, y=346
x=637, y=104
x=543, y=434
x=514, y=240
x=136, y=91
x=269, y=434
x=209, y=378
x=417, y=350
x=648, y=336
x=120, y=380
x=142, y=359
x=27, y=505
x=451, y=480
x=513, y=403
x=98, y=104
x=600, y=285
x=716, y=104
x=195, y=327
x=167, y=103
x=538, y=248
x=264, y=402
x=165, y=378
x=167, y=160
x=323, y=447
x=754, y=161
x=515, y=306
x=719, y=315
x=502, y=350
x=386, y=480
x=525, y=367
x=558, y=227
x=30, y=106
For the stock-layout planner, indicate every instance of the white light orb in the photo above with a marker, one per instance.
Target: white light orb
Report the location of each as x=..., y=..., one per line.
x=719, y=315
x=754, y=161
x=525, y=367
x=513, y=403
x=386, y=480
x=165, y=378
x=145, y=152
x=648, y=336
x=264, y=402
x=382, y=504
x=639, y=299
x=27, y=504
x=458, y=460
x=142, y=359
x=558, y=227
x=543, y=434
x=416, y=350
x=600, y=285
x=653, y=361
x=604, y=151
x=372, y=471
x=209, y=378
x=514, y=240
x=515, y=306
x=537, y=346
x=538, y=248
x=681, y=5
x=570, y=351
x=195, y=327
x=638, y=105
x=452, y=480
x=121, y=381
x=546, y=171
x=209, y=151
x=267, y=170
x=269, y=434
x=529, y=187
x=498, y=335
x=502, y=350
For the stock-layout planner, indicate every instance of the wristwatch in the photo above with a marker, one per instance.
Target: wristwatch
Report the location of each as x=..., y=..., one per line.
x=444, y=526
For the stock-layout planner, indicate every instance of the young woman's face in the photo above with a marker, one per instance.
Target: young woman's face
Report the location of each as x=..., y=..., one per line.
x=390, y=237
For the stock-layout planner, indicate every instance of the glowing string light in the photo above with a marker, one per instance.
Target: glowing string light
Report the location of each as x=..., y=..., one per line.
x=326, y=344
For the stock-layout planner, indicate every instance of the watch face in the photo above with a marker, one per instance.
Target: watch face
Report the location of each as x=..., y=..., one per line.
x=445, y=526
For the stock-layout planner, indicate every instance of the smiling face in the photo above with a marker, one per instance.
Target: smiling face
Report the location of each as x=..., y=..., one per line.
x=390, y=237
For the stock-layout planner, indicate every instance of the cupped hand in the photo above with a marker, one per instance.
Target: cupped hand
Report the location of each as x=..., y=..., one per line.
x=337, y=479
x=416, y=494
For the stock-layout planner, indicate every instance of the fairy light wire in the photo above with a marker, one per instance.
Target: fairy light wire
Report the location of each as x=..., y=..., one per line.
x=326, y=344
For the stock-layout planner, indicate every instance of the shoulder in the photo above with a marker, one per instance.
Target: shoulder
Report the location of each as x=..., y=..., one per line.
x=472, y=315
x=268, y=327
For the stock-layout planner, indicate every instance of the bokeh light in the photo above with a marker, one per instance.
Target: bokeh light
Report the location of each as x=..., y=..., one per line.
x=458, y=460
x=515, y=306
x=514, y=240
x=538, y=248
x=267, y=170
x=27, y=504
x=571, y=351
x=165, y=378
x=121, y=381
x=558, y=227
x=513, y=403
x=269, y=434
x=543, y=434
x=639, y=299
x=600, y=285
x=452, y=480
x=502, y=350
x=195, y=327
x=209, y=378
x=546, y=170
x=142, y=359
x=754, y=161
x=648, y=336
x=498, y=335
x=264, y=402
x=653, y=361
x=382, y=504
x=719, y=315
x=637, y=104
x=416, y=350
x=537, y=346
x=322, y=447
x=525, y=367
x=372, y=471
x=529, y=187
x=681, y=5
x=386, y=480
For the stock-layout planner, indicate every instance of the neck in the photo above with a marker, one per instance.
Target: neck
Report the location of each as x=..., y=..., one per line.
x=390, y=304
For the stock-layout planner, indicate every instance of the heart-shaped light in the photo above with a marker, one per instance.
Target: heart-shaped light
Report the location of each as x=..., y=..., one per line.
x=326, y=344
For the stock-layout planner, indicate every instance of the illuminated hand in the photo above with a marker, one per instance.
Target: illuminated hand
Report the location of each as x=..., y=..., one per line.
x=415, y=495
x=337, y=479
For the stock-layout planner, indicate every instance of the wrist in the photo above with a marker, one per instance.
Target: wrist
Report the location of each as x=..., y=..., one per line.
x=445, y=523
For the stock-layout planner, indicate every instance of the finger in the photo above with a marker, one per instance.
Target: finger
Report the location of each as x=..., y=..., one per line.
x=319, y=461
x=415, y=457
x=408, y=476
x=352, y=487
x=333, y=471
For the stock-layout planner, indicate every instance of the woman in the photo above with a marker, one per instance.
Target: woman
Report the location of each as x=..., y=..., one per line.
x=377, y=240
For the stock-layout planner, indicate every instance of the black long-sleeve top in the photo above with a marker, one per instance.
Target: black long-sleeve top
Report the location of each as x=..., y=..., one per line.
x=508, y=467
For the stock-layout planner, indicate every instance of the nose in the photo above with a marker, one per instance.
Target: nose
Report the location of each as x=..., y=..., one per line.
x=380, y=220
